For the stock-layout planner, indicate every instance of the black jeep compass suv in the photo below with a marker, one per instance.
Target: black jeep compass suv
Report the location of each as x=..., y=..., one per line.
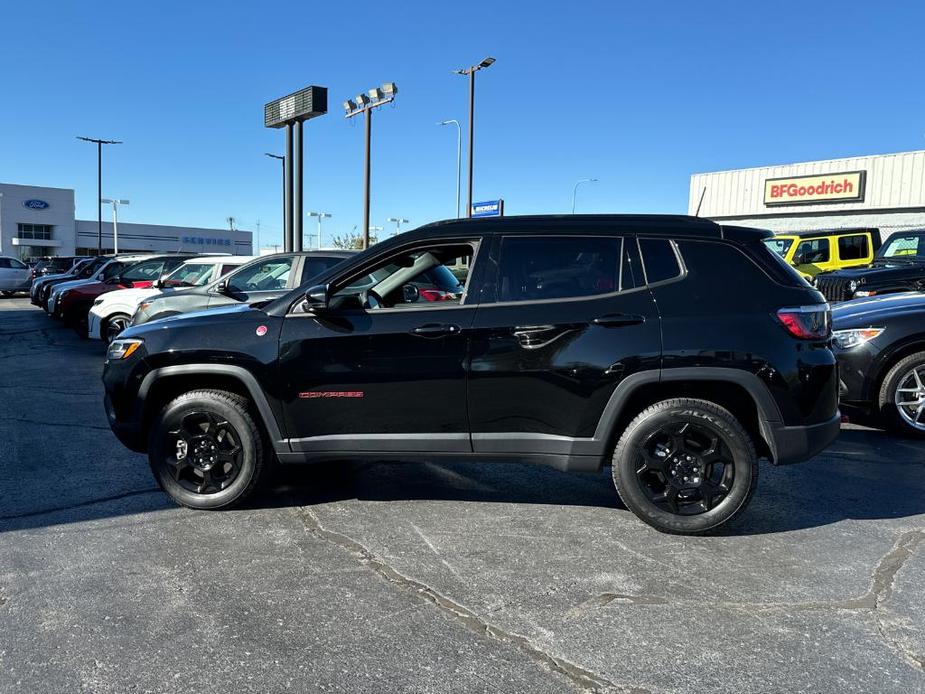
x=678, y=350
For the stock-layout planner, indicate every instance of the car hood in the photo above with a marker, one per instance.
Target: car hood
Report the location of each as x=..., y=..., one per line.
x=57, y=276
x=196, y=319
x=877, y=308
x=879, y=268
x=71, y=285
x=129, y=296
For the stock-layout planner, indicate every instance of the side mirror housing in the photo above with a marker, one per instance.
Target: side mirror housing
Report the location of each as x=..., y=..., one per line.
x=222, y=287
x=317, y=298
x=410, y=293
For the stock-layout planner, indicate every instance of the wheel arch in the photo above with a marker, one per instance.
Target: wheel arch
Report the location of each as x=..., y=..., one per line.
x=898, y=352
x=162, y=385
x=740, y=392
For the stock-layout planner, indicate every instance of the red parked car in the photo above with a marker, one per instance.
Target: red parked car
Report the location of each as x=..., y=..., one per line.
x=74, y=304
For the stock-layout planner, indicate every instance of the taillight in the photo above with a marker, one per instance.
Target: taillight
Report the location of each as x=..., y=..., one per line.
x=807, y=322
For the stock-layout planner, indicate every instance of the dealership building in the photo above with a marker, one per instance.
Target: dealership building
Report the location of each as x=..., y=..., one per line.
x=37, y=221
x=883, y=191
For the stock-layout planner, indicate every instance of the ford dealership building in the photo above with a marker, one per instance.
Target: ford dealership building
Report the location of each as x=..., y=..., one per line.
x=883, y=191
x=37, y=221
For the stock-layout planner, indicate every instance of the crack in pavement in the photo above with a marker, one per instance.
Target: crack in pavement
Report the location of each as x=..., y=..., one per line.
x=579, y=676
x=82, y=504
x=881, y=589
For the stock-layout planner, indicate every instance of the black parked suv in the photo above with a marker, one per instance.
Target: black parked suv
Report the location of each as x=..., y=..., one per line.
x=899, y=266
x=573, y=342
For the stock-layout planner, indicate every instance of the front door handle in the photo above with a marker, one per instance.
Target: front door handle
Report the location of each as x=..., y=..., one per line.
x=617, y=320
x=435, y=330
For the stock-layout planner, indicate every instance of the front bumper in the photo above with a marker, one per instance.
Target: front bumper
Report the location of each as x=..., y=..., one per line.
x=796, y=444
x=94, y=325
x=128, y=432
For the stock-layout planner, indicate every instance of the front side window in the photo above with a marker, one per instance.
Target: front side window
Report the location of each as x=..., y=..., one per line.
x=190, y=275
x=145, y=271
x=659, y=260
x=419, y=278
x=852, y=247
x=558, y=267
x=812, y=251
x=904, y=245
x=262, y=276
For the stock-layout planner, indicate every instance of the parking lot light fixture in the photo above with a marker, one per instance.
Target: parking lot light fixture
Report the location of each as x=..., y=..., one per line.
x=470, y=71
x=320, y=216
x=575, y=189
x=99, y=185
x=365, y=103
x=115, y=220
x=398, y=222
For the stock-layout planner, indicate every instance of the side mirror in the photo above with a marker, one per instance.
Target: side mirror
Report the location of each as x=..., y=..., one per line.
x=159, y=282
x=317, y=298
x=222, y=288
x=410, y=293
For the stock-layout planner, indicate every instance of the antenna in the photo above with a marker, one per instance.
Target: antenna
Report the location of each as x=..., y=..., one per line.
x=702, y=193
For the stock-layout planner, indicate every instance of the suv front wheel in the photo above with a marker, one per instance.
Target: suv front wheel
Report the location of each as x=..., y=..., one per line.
x=685, y=466
x=205, y=450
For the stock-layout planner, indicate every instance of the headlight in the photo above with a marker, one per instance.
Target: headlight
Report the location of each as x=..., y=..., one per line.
x=852, y=285
x=122, y=349
x=143, y=306
x=848, y=339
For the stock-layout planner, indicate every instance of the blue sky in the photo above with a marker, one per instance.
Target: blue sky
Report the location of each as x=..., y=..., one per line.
x=639, y=95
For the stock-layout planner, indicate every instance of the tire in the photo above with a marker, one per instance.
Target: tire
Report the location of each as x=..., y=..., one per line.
x=890, y=415
x=208, y=412
x=716, y=457
x=113, y=325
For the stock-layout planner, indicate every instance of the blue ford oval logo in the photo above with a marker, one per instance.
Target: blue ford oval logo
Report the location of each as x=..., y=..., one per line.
x=35, y=204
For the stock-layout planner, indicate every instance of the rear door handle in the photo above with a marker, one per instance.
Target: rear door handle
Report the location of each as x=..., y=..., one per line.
x=435, y=330
x=616, y=320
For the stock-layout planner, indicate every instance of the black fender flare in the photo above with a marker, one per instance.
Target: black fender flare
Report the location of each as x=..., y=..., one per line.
x=245, y=377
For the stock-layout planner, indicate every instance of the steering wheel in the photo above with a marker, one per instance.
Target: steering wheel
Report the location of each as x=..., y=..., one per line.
x=370, y=299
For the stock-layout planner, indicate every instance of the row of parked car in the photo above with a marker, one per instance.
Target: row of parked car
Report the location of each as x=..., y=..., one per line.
x=575, y=342
x=101, y=296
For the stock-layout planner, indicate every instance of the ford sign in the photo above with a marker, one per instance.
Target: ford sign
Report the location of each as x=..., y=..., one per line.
x=35, y=204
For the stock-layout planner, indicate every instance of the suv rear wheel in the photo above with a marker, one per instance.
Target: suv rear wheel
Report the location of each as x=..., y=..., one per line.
x=902, y=396
x=685, y=466
x=205, y=450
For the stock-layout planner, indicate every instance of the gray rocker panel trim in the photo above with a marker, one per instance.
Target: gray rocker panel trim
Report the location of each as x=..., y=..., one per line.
x=384, y=443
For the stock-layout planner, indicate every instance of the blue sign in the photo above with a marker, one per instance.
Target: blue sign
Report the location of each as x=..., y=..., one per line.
x=205, y=241
x=35, y=204
x=489, y=208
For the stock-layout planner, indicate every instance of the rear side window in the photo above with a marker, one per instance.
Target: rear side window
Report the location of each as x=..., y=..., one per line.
x=5, y=263
x=659, y=260
x=558, y=267
x=853, y=247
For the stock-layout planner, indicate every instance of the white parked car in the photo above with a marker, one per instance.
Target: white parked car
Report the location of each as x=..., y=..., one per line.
x=15, y=276
x=111, y=312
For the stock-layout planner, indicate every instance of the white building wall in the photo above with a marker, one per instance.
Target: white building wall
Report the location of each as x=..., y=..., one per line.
x=161, y=238
x=59, y=214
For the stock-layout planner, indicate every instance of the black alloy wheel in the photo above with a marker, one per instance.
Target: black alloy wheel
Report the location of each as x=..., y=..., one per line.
x=685, y=466
x=206, y=450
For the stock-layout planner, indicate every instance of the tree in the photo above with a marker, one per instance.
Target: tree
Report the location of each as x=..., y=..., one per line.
x=352, y=241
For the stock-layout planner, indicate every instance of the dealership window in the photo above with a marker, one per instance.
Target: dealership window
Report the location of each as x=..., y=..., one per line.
x=811, y=252
x=35, y=231
x=852, y=247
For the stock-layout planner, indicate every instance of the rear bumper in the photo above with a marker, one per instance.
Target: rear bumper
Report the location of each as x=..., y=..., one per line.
x=796, y=444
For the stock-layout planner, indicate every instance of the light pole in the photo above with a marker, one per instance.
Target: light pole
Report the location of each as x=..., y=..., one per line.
x=99, y=186
x=487, y=62
x=115, y=221
x=365, y=103
x=458, y=157
x=398, y=222
x=282, y=161
x=320, y=216
x=575, y=189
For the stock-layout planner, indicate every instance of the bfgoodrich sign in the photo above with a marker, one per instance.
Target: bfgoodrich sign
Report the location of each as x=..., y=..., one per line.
x=815, y=190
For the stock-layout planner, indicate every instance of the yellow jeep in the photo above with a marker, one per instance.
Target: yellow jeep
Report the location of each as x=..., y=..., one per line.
x=812, y=252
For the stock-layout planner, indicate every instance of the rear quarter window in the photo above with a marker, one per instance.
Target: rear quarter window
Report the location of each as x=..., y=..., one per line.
x=659, y=260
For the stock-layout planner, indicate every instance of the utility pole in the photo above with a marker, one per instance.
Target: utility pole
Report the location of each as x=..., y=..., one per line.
x=458, y=157
x=99, y=186
x=115, y=221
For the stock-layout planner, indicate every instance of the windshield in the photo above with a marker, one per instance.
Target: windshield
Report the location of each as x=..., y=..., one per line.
x=111, y=269
x=904, y=246
x=190, y=275
x=779, y=246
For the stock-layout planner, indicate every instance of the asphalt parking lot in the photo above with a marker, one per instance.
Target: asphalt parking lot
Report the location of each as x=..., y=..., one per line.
x=434, y=578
